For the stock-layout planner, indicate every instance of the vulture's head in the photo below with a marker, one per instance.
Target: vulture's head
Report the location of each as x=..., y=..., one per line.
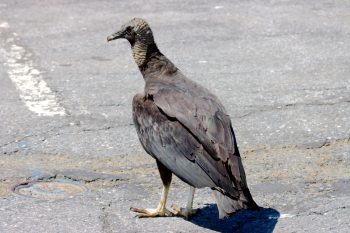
x=135, y=31
x=139, y=34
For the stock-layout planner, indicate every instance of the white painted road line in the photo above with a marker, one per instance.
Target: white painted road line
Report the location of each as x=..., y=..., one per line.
x=23, y=72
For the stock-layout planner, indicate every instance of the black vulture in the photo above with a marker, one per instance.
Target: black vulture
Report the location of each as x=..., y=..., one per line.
x=185, y=128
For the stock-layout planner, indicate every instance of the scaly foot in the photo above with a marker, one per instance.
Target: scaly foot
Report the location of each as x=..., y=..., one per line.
x=152, y=213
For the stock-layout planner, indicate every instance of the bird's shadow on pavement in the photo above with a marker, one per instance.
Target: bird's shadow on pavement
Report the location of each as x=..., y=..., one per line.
x=260, y=221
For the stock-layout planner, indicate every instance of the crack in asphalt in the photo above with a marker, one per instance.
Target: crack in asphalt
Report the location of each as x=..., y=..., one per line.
x=106, y=225
x=326, y=143
x=35, y=135
x=60, y=175
x=45, y=135
x=322, y=212
x=291, y=105
x=97, y=129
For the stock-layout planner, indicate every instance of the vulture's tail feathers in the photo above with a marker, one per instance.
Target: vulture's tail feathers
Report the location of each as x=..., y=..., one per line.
x=228, y=206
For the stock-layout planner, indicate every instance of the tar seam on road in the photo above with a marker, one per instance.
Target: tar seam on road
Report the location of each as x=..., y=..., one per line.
x=23, y=72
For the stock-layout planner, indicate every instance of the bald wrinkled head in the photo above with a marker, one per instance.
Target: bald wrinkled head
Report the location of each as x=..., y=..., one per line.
x=135, y=30
x=139, y=34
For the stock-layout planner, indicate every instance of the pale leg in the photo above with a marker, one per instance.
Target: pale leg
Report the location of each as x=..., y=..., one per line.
x=160, y=211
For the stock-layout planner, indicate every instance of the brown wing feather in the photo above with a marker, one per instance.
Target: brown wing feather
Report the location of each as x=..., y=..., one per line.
x=202, y=114
x=168, y=141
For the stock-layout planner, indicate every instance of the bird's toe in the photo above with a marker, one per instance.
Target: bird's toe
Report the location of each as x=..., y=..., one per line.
x=140, y=210
x=151, y=213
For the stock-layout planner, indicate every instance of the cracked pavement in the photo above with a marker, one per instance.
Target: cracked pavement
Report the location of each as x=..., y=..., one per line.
x=281, y=68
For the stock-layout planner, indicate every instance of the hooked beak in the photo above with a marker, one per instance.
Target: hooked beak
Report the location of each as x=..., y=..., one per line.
x=115, y=36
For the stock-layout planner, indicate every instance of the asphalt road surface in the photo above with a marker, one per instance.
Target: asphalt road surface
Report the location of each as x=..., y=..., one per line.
x=70, y=160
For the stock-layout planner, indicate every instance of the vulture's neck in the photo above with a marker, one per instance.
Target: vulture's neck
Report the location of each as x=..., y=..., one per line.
x=152, y=63
x=142, y=49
